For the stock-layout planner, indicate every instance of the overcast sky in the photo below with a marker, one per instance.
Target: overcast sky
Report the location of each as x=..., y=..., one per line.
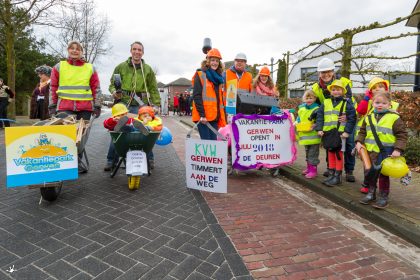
x=173, y=31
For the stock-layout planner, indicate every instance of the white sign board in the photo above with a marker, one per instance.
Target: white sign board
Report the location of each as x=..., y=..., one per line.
x=262, y=141
x=136, y=163
x=206, y=165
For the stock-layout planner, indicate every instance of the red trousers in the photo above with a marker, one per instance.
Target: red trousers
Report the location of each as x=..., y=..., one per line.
x=335, y=160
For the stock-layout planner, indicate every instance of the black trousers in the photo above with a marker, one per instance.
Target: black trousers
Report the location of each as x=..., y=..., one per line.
x=4, y=101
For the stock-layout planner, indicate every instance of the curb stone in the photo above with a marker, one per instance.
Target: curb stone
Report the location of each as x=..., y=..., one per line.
x=400, y=227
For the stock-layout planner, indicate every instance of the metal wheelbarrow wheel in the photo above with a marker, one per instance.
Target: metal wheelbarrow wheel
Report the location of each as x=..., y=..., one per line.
x=51, y=193
x=133, y=182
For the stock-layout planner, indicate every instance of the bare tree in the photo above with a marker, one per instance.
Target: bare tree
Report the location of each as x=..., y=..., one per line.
x=363, y=61
x=15, y=17
x=81, y=22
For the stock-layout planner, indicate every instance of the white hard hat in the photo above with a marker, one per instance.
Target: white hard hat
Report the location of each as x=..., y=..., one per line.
x=240, y=56
x=325, y=64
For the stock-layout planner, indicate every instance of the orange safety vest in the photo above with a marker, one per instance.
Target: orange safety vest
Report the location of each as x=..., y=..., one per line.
x=210, y=97
x=244, y=83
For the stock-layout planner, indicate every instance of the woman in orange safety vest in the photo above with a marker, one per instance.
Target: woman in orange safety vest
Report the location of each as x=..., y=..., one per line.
x=208, y=104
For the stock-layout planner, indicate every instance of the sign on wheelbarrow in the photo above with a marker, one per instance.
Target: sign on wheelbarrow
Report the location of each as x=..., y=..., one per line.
x=206, y=165
x=40, y=154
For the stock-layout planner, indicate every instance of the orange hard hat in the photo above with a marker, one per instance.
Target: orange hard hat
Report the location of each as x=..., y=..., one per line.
x=148, y=110
x=265, y=71
x=214, y=53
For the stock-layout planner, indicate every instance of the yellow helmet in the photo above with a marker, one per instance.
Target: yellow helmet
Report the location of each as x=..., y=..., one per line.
x=378, y=80
x=119, y=109
x=337, y=83
x=394, y=167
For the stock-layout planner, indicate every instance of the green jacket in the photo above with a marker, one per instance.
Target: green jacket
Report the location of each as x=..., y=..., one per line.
x=132, y=81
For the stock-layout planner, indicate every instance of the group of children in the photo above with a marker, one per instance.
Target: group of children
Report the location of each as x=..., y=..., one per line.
x=120, y=122
x=379, y=130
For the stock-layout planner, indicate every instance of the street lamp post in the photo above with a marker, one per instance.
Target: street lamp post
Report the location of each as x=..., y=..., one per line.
x=272, y=61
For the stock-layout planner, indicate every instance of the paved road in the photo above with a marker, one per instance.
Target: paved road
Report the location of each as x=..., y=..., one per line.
x=98, y=229
x=285, y=231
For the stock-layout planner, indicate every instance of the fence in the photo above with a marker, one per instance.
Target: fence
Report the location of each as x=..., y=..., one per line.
x=345, y=53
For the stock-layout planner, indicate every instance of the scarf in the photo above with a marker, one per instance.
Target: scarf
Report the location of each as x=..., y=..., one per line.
x=382, y=112
x=264, y=90
x=41, y=85
x=214, y=77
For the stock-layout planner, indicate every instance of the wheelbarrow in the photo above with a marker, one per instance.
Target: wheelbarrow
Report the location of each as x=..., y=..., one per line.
x=50, y=191
x=126, y=141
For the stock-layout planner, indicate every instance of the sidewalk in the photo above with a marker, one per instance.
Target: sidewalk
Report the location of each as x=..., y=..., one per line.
x=401, y=217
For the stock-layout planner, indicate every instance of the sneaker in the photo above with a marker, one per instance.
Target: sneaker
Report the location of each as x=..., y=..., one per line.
x=140, y=126
x=120, y=124
x=152, y=164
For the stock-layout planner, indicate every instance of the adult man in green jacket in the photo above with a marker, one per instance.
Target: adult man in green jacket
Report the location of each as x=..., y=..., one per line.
x=139, y=87
x=137, y=78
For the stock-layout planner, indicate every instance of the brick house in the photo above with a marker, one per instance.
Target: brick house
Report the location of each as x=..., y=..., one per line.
x=177, y=87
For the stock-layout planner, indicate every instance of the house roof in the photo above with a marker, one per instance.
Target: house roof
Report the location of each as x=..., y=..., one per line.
x=179, y=82
x=402, y=79
x=311, y=53
x=160, y=85
x=414, y=20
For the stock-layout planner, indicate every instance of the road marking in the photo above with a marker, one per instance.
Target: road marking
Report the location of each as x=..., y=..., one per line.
x=384, y=239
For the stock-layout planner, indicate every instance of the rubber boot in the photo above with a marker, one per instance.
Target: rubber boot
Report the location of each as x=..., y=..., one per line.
x=327, y=173
x=312, y=172
x=330, y=175
x=371, y=196
x=382, y=202
x=305, y=171
x=350, y=177
x=335, y=180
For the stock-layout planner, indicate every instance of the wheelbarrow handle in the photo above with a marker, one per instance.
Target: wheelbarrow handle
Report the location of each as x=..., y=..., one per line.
x=210, y=127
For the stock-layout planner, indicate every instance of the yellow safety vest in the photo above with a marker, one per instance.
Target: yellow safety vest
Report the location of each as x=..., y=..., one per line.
x=74, y=83
x=309, y=137
x=331, y=115
x=394, y=106
x=383, y=129
x=320, y=94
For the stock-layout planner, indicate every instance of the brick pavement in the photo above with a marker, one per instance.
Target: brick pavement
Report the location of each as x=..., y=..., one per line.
x=98, y=229
x=279, y=236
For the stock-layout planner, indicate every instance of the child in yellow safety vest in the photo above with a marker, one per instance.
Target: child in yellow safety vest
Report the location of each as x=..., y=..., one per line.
x=308, y=137
x=327, y=120
x=375, y=86
x=391, y=132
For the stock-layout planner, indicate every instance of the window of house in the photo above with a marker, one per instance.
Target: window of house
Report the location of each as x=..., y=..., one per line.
x=309, y=74
x=296, y=93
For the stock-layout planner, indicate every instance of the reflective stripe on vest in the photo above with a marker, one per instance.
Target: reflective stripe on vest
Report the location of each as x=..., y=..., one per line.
x=394, y=106
x=320, y=94
x=384, y=131
x=331, y=118
x=74, y=82
x=307, y=137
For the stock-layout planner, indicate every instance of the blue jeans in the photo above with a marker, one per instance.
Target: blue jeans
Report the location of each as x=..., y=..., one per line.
x=349, y=159
x=205, y=132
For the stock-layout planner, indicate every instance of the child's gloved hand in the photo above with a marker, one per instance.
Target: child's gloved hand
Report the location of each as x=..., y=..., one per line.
x=368, y=95
x=321, y=133
x=344, y=135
